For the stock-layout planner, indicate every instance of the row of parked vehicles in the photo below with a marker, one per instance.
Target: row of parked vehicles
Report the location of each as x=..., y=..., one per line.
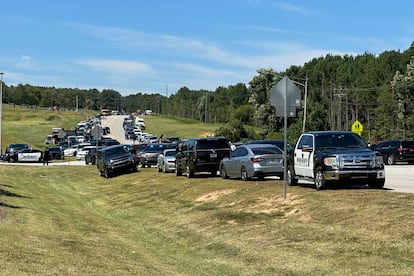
x=323, y=157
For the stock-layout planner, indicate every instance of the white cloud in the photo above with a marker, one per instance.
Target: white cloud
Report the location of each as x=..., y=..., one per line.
x=116, y=66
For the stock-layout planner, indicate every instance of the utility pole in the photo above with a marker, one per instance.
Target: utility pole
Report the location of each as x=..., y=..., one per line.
x=205, y=114
x=1, y=107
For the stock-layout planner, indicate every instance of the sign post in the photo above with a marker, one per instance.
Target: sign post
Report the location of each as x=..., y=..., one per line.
x=285, y=97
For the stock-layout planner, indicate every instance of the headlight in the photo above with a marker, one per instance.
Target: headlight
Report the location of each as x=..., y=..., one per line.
x=330, y=161
x=379, y=160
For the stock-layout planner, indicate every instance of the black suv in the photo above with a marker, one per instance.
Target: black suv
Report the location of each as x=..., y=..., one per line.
x=56, y=153
x=114, y=158
x=396, y=150
x=201, y=155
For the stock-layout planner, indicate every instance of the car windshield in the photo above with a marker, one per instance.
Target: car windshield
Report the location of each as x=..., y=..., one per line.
x=342, y=140
x=115, y=151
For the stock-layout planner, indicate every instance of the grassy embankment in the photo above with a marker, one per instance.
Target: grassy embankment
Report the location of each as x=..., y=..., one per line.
x=68, y=220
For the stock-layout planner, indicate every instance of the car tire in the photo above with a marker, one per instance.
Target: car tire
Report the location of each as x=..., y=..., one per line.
x=390, y=159
x=223, y=172
x=377, y=184
x=106, y=173
x=244, y=175
x=319, y=181
x=290, y=176
x=188, y=172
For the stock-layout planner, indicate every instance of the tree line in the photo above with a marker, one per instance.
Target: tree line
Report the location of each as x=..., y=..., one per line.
x=375, y=90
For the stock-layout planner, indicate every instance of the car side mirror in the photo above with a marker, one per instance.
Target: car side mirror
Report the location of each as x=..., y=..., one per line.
x=307, y=148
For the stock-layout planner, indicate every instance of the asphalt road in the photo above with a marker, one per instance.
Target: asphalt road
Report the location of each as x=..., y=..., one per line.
x=400, y=178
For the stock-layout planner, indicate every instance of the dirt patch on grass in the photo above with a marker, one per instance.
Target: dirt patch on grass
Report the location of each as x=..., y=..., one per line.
x=214, y=195
x=272, y=204
x=292, y=205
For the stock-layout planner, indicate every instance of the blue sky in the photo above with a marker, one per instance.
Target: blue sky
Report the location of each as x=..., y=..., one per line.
x=162, y=45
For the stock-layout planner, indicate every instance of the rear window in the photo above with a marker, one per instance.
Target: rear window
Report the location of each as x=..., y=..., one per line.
x=170, y=153
x=212, y=144
x=407, y=144
x=269, y=150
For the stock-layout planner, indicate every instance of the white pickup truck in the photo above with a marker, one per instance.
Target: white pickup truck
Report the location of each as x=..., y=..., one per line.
x=327, y=157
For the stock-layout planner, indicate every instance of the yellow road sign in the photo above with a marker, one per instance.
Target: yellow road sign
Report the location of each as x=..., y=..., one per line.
x=357, y=127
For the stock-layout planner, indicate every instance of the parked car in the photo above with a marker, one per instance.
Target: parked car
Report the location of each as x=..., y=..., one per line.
x=150, y=154
x=138, y=151
x=113, y=159
x=396, y=150
x=201, y=155
x=71, y=151
x=278, y=143
x=253, y=160
x=166, y=161
x=56, y=153
x=90, y=157
x=30, y=155
x=12, y=151
x=82, y=152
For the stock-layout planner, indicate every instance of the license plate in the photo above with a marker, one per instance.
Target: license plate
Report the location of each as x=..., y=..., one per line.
x=213, y=155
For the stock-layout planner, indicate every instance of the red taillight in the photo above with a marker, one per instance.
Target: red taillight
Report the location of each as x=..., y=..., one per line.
x=402, y=150
x=256, y=160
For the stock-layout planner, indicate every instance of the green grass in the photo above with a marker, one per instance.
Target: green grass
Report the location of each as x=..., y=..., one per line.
x=31, y=126
x=67, y=220
x=181, y=127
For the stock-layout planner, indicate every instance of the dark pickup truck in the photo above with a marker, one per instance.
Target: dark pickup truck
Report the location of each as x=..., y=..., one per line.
x=113, y=159
x=327, y=157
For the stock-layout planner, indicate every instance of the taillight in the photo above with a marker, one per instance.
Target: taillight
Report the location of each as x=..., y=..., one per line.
x=402, y=150
x=256, y=159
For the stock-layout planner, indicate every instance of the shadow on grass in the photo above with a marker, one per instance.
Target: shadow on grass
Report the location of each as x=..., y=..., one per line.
x=344, y=186
x=4, y=192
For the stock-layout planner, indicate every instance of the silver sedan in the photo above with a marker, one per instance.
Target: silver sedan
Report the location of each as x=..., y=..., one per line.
x=166, y=160
x=253, y=160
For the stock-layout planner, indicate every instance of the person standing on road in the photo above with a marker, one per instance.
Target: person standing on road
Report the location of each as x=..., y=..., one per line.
x=46, y=156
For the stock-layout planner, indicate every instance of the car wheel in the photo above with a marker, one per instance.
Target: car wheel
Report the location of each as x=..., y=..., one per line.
x=377, y=184
x=106, y=173
x=244, y=175
x=390, y=159
x=290, y=177
x=320, y=183
x=223, y=172
x=188, y=172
